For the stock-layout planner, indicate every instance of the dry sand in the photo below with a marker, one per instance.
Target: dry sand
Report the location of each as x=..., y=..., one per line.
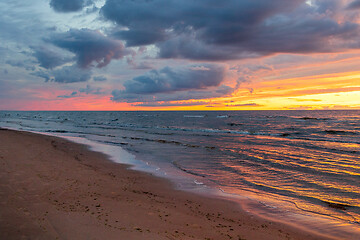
x=51, y=188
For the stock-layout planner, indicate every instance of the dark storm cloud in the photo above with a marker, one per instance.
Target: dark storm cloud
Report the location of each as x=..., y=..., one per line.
x=230, y=29
x=49, y=58
x=168, y=84
x=67, y=74
x=306, y=36
x=213, y=92
x=188, y=47
x=69, y=5
x=172, y=80
x=90, y=46
x=200, y=17
x=71, y=74
x=165, y=14
x=354, y=5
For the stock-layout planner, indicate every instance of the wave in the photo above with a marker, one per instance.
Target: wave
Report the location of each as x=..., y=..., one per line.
x=326, y=140
x=295, y=164
x=212, y=130
x=178, y=166
x=339, y=206
x=58, y=131
x=165, y=141
x=312, y=118
x=340, y=132
x=114, y=143
x=222, y=116
x=343, y=208
x=289, y=135
x=295, y=151
x=194, y=116
x=235, y=124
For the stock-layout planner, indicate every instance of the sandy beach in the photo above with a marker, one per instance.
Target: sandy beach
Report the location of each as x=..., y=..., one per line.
x=51, y=188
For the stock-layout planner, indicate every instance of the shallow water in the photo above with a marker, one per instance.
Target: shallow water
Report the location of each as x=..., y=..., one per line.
x=299, y=164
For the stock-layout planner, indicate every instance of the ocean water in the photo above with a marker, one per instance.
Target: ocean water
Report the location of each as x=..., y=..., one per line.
x=302, y=166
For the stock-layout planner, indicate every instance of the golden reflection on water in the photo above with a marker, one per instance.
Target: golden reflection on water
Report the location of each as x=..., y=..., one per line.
x=292, y=172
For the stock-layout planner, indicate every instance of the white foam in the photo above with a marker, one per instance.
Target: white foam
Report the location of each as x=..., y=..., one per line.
x=198, y=183
x=115, y=153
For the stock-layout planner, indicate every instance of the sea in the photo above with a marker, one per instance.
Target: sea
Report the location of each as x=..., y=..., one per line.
x=299, y=167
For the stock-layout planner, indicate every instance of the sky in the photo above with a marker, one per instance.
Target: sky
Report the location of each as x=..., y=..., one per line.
x=179, y=55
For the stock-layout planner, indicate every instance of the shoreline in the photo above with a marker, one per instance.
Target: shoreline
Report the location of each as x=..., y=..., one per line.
x=46, y=180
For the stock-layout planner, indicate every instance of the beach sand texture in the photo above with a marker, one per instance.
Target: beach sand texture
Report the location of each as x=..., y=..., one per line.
x=51, y=188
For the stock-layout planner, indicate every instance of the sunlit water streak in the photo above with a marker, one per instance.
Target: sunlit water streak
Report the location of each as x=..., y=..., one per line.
x=309, y=159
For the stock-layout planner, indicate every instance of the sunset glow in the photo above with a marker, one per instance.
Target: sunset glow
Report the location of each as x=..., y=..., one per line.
x=103, y=55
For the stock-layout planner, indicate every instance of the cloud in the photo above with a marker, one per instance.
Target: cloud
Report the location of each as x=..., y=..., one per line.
x=189, y=47
x=144, y=14
x=175, y=84
x=90, y=46
x=354, y=5
x=215, y=92
x=87, y=90
x=299, y=108
x=172, y=80
x=170, y=104
x=50, y=58
x=71, y=74
x=99, y=78
x=305, y=100
x=42, y=74
x=140, y=37
x=220, y=30
x=26, y=64
x=90, y=90
x=14, y=63
x=67, y=74
x=72, y=95
x=66, y=6
x=245, y=105
x=141, y=65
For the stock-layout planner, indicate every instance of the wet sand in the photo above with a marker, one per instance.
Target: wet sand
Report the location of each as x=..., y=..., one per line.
x=51, y=188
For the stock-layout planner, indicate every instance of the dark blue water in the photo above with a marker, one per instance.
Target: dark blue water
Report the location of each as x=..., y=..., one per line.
x=309, y=159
